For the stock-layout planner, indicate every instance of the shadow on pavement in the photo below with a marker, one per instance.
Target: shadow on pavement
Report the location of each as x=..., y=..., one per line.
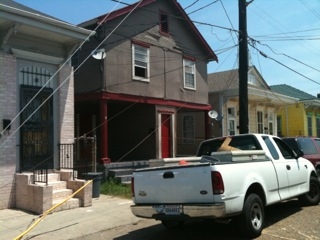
x=208, y=229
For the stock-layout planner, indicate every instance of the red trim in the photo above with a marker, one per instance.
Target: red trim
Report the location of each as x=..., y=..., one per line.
x=140, y=43
x=189, y=58
x=140, y=99
x=120, y=12
x=212, y=55
x=104, y=133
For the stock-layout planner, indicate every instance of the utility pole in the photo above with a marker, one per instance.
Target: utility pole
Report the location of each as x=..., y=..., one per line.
x=243, y=68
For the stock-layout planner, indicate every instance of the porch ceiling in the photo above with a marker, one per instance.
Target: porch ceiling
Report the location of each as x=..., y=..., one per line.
x=15, y=22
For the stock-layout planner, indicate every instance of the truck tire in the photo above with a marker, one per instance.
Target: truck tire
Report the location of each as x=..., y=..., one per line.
x=251, y=220
x=312, y=197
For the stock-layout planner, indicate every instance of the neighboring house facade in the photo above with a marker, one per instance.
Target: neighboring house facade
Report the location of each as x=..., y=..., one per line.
x=263, y=103
x=301, y=118
x=145, y=96
x=37, y=92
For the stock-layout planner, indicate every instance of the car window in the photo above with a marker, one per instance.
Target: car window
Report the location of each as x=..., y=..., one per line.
x=307, y=146
x=317, y=141
x=292, y=142
x=285, y=150
x=271, y=147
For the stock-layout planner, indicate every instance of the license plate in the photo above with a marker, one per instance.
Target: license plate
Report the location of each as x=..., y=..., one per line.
x=173, y=209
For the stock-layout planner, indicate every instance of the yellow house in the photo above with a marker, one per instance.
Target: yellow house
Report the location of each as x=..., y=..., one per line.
x=263, y=103
x=301, y=118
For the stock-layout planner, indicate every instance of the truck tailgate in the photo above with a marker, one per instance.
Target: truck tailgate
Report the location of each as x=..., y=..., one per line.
x=178, y=184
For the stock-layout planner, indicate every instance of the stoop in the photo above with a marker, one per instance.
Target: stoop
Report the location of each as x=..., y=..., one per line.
x=40, y=197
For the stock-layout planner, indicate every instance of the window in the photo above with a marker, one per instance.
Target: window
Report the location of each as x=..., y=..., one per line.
x=318, y=125
x=140, y=61
x=164, y=23
x=231, y=121
x=271, y=148
x=252, y=79
x=309, y=122
x=270, y=122
x=189, y=74
x=188, y=129
x=285, y=150
x=260, y=122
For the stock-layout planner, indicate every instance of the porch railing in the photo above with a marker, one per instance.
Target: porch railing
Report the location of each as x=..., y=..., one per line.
x=40, y=175
x=79, y=156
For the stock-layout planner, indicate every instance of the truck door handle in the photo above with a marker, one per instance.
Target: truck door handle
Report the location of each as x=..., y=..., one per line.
x=168, y=175
x=288, y=167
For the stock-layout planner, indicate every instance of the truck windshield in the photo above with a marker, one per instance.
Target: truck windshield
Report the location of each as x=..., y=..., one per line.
x=239, y=142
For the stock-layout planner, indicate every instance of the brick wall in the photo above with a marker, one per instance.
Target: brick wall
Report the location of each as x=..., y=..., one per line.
x=66, y=102
x=8, y=139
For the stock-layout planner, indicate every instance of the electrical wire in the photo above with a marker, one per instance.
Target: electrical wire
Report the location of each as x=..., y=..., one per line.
x=63, y=82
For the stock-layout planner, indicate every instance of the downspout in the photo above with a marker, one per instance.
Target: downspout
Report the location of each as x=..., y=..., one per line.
x=164, y=74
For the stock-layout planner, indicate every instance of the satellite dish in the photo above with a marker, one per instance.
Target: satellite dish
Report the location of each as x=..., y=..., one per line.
x=213, y=114
x=99, y=54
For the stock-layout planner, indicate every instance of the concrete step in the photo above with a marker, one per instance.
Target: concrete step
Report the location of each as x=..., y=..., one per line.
x=61, y=193
x=119, y=172
x=58, y=185
x=52, y=177
x=70, y=204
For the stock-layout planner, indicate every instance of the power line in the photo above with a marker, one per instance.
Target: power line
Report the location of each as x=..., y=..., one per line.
x=291, y=69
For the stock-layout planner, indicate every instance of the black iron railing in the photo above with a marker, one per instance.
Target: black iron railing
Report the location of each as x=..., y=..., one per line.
x=40, y=175
x=79, y=156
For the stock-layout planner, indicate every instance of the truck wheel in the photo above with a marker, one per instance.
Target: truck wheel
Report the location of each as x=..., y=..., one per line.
x=313, y=196
x=171, y=224
x=252, y=218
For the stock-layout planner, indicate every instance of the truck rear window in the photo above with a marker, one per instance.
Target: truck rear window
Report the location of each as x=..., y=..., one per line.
x=241, y=142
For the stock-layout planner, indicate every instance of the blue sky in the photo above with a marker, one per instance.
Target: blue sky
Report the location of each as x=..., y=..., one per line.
x=287, y=31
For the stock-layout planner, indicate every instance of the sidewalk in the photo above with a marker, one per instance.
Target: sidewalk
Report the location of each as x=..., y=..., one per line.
x=106, y=212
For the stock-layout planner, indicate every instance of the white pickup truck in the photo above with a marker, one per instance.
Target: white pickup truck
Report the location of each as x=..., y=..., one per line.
x=232, y=177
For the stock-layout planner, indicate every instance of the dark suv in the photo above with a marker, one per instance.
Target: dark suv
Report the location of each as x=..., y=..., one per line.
x=310, y=146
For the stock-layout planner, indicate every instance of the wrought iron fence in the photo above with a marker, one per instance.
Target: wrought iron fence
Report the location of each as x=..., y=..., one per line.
x=40, y=175
x=79, y=156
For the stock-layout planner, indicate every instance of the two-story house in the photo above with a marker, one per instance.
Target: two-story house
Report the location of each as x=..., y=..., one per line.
x=301, y=118
x=37, y=94
x=263, y=103
x=144, y=93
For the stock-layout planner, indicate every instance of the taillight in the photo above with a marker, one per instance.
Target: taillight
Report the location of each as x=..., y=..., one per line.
x=217, y=183
x=132, y=186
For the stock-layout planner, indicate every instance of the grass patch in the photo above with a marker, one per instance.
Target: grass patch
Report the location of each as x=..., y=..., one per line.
x=115, y=188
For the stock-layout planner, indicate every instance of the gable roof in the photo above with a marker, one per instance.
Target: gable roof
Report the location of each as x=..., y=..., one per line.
x=292, y=92
x=229, y=79
x=125, y=10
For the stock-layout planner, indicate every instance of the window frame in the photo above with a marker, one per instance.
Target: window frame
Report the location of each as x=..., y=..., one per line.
x=163, y=23
x=260, y=122
x=309, y=124
x=232, y=130
x=135, y=46
x=188, y=136
x=193, y=73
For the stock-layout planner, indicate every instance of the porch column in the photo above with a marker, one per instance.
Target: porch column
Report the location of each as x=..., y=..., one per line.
x=104, y=159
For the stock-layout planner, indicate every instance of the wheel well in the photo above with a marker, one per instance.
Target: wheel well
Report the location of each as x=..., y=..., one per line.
x=256, y=188
x=314, y=174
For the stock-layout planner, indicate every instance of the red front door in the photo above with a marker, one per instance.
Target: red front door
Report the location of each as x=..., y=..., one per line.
x=165, y=135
